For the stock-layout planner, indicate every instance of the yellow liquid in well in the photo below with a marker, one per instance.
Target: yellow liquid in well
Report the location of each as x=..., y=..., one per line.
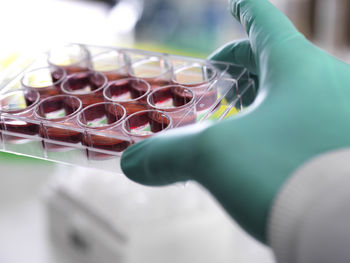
x=14, y=102
x=149, y=70
x=105, y=66
x=66, y=61
x=39, y=79
x=40, y=82
x=189, y=78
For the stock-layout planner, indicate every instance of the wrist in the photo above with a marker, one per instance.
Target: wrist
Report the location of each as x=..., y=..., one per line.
x=302, y=218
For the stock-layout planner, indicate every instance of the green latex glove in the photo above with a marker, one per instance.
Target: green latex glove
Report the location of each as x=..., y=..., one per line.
x=302, y=109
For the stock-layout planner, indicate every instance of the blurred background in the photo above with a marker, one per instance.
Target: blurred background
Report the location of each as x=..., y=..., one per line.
x=56, y=213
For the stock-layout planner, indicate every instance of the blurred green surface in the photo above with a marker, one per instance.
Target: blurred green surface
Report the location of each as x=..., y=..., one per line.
x=170, y=50
x=13, y=158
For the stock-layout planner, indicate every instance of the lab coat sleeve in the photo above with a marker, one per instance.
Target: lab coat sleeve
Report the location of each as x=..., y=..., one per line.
x=310, y=219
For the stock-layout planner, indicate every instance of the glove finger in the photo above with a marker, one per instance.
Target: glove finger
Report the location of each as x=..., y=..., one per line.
x=266, y=27
x=236, y=52
x=163, y=159
x=239, y=53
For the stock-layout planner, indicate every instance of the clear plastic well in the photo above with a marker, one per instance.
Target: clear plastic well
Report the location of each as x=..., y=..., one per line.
x=84, y=105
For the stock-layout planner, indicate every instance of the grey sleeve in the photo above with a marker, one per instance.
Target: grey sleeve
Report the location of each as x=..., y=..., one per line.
x=310, y=219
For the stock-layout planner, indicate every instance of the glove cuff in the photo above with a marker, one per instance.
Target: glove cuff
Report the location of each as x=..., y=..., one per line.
x=304, y=213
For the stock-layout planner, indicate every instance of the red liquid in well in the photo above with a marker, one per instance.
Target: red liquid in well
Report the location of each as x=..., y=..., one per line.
x=126, y=93
x=83, y=81
x=157, y=124
x=64, y=134
x=177, y=97
x=110, y=114
x=104, y=143
x=205, y=99
x=156, y=121
x=91, y=99
x=157, y=83
x=102, y=116
x=56, y=105
x=60, y=135
x=114, y=75
x=84, y=84
x=132, y=107
x=56, y=75
x=20, y=126
x=13, y=124
x=74, y=69
x=125, y=90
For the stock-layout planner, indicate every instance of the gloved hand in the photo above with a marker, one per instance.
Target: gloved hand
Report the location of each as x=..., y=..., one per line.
x=302, y=109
